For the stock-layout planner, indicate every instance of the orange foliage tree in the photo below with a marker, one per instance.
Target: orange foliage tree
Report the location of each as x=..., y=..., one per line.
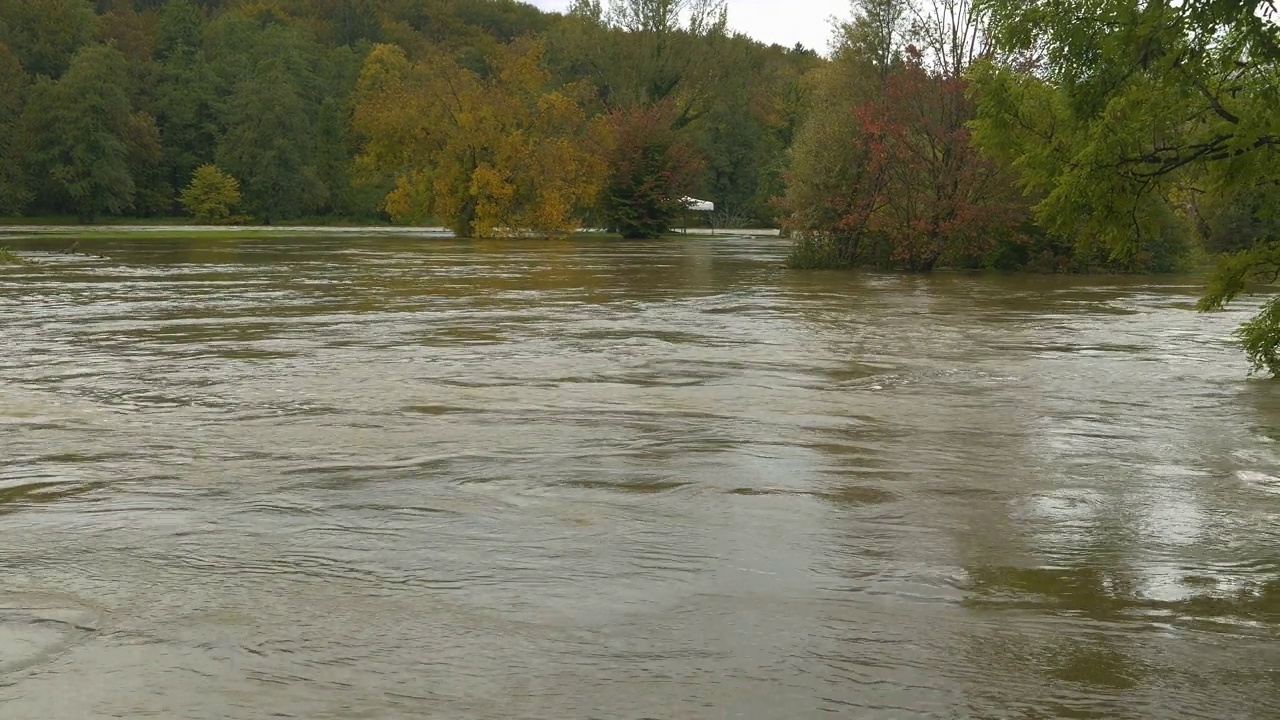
x=490, y=154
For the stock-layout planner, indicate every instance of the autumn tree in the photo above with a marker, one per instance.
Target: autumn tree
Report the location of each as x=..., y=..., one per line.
x=835, y=182
x=264, y=88
x=212, y=194
x=941, y=200
x=652, y=169
x=488, y=155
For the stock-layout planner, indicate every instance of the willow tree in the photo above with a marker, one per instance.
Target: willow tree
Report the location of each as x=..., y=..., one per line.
x=494, y=154
x=1118, y=112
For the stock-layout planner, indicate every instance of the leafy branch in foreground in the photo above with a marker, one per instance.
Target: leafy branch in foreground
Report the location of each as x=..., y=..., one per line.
x=1122, y=116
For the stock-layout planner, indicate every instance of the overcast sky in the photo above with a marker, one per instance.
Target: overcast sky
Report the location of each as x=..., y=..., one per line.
x=785, y=22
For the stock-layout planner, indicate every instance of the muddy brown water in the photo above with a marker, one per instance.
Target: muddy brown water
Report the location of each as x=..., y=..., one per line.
x=333, y=476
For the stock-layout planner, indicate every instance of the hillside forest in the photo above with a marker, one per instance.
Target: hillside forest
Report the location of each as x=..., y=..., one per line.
x=1034, y=135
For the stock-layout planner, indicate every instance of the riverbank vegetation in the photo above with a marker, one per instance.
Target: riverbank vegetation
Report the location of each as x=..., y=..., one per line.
x=8, y=257
x=1032, y=135
x=488, y=116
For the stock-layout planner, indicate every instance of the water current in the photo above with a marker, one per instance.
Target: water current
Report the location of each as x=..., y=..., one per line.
x=337, y=475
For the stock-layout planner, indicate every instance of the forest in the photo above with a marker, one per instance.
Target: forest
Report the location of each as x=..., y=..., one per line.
x=1032, y=135
x=476, y=114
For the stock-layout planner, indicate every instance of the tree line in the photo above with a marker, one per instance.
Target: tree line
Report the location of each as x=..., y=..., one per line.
x=485, y=115
x=1044, y=135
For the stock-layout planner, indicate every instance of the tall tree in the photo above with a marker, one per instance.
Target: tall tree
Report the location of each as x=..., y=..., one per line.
x=81, y=128
x=45, y=34
x=1112, y=109
x=269, y=144
x=666, y=17
x=876, y=32
x=184, y=97
x=14, y=192
x=276, y=78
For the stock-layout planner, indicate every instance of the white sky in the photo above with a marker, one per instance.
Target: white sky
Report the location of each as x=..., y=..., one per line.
x=785, y=22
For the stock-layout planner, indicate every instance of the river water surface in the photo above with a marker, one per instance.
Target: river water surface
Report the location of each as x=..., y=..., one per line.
x=324, y=476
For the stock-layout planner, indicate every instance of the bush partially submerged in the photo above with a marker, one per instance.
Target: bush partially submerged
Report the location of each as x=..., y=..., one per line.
x=8, y=257
x=819, y=251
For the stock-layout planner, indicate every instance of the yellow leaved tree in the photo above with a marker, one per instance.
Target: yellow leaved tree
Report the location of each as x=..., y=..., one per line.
x=493, y=154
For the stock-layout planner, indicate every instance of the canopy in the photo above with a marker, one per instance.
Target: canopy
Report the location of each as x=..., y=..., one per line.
x=699, y=205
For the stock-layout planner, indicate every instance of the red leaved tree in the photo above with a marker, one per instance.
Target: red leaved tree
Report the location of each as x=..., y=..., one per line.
x=652, y=168
x=940, y=197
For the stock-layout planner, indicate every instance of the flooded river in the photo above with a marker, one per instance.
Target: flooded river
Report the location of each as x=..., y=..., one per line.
x=410, y=477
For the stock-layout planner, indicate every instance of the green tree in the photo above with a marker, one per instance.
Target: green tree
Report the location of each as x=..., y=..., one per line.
x=212, y=195
x=275, y=77
x=751, y=115
x=184, y=96
x=45, y=34
x=1112, y=110
x=652, y=169
x=80, y=128
x=269, y=143
x=153, y=193
x=666, y=17
x=14, y=83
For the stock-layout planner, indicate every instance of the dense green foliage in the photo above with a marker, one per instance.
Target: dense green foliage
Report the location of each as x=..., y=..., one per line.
x=1132, y=122
x=212, y=195
x=108, y=107
x=82, y=161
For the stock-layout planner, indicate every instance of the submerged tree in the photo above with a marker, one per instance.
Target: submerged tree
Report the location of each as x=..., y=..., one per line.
x=489, y=155
x=885, y=173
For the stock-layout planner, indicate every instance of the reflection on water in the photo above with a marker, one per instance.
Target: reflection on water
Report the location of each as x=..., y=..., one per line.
x=400, y=477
